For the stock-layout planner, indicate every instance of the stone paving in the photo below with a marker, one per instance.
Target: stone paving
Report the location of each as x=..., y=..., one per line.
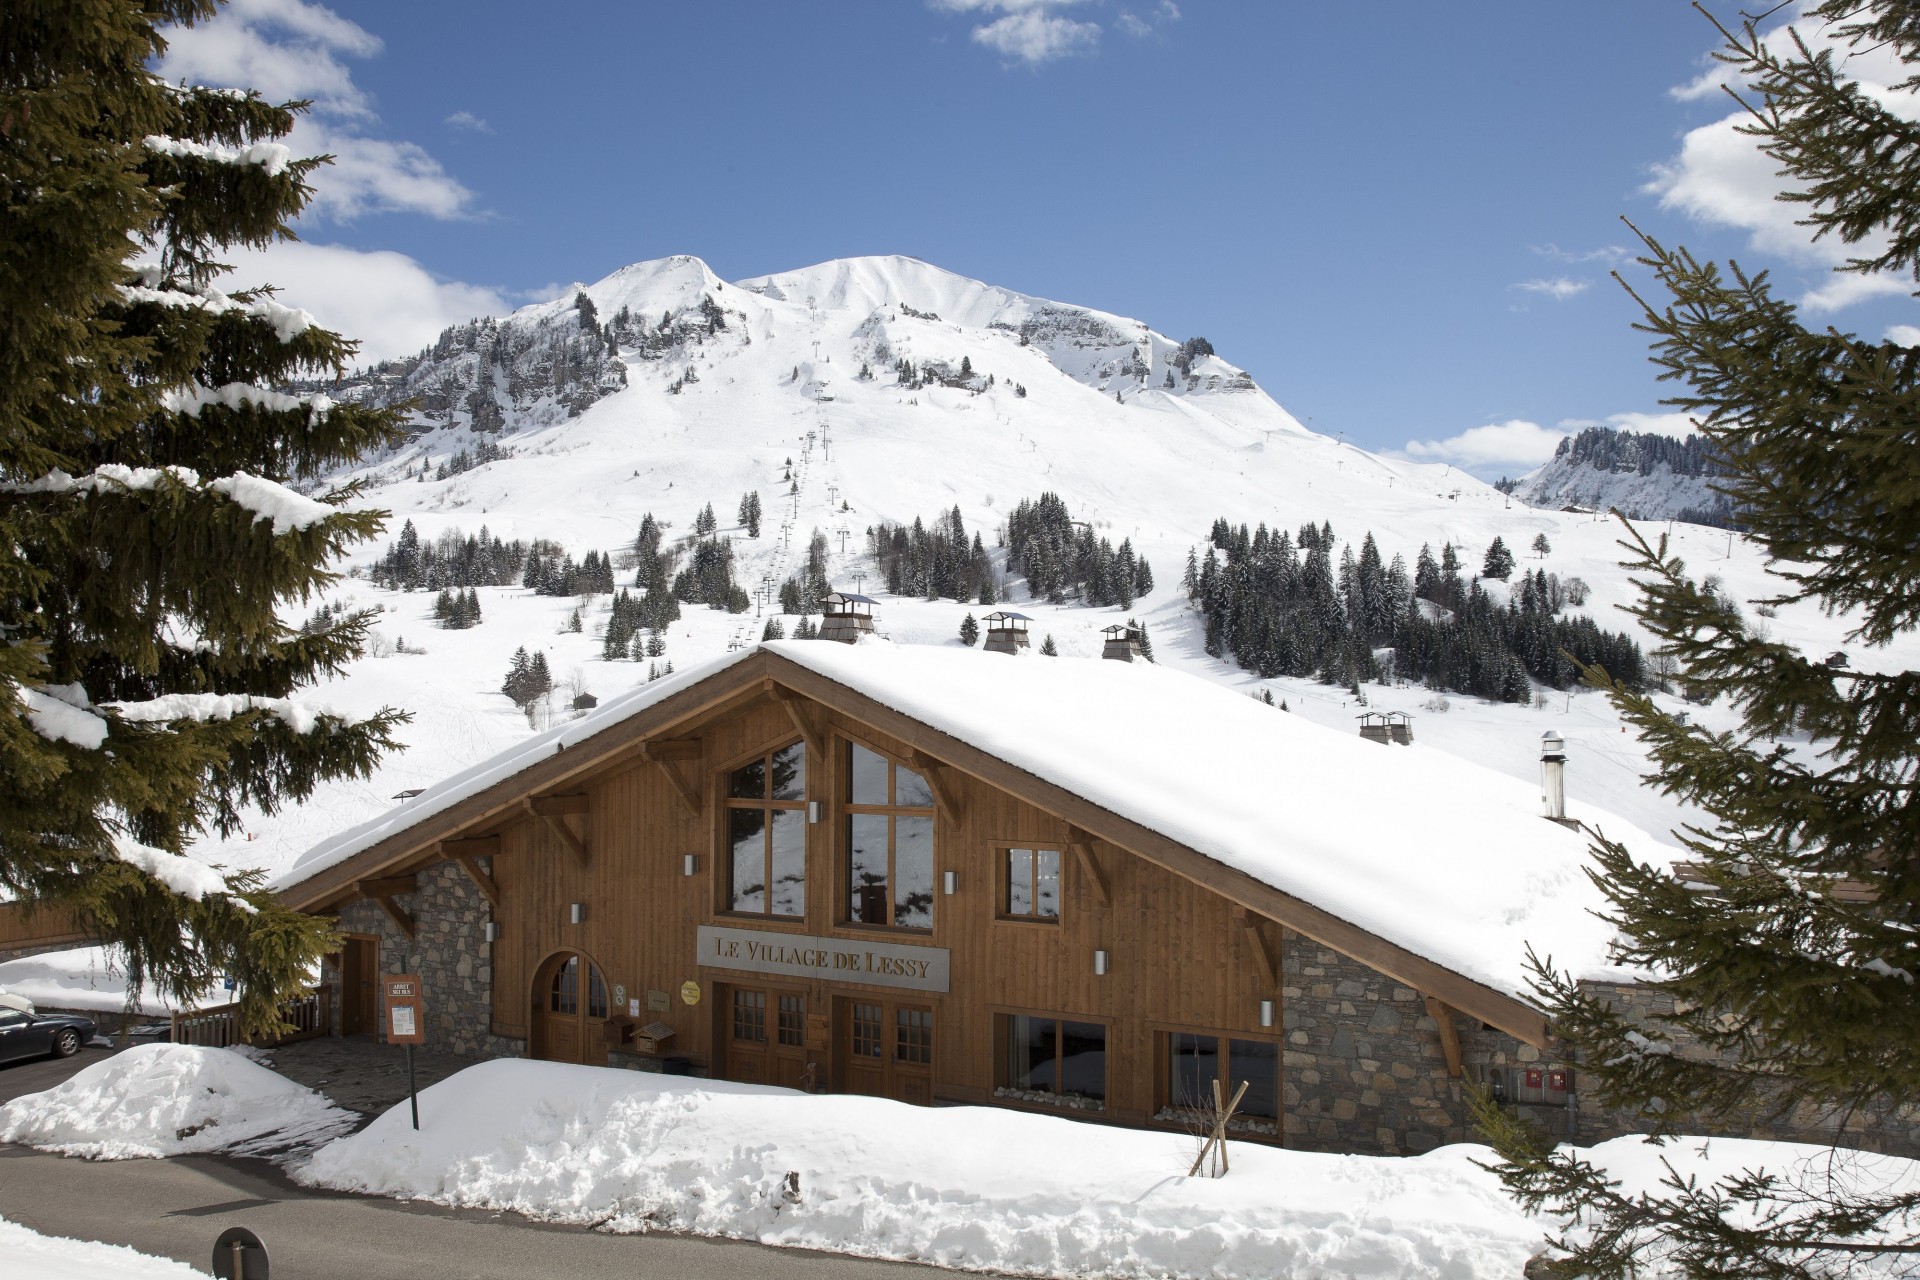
x=358, y=1072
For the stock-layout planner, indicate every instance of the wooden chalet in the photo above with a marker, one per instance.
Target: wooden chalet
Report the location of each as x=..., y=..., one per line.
x=781, y=868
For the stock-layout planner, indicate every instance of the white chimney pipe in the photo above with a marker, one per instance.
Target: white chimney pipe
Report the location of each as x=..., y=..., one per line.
x=1553, y=775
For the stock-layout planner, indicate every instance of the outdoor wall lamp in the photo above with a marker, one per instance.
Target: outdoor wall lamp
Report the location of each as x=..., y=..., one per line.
x=1266, y=1013
x=493, y=931
x=1100, y=964
x=579, y=913
x=690, y=865
x=949, y=882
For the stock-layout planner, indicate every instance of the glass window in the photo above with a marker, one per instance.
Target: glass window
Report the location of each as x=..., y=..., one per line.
x=867, y=775
x=1065, y=1061
x=1258, y=1063
x=889, y=843
x=565, y=996
x=866, y=1030
x=913, y=1037
x=1193, y=1065
x=793, y=1020
x=750, y=1016
x=767, y=834
x=1033, y=884
x=596, y=993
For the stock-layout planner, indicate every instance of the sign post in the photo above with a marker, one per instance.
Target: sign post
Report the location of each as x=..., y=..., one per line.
x=406, y=1024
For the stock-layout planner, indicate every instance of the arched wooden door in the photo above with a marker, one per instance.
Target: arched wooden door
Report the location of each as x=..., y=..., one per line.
x=569, y=1010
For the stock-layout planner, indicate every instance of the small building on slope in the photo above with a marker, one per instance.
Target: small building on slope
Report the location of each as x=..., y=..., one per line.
x=1078, y=886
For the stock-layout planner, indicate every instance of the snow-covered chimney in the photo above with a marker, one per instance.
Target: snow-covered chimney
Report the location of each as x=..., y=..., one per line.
x=1553, y=775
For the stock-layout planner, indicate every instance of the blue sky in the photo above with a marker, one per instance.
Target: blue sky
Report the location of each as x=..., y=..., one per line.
x=1399, y=218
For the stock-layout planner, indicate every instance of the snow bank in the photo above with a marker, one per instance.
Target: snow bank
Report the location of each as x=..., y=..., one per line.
x=32, y=1256
x=166, y=1100
x=84, y=978
x=965, y=1186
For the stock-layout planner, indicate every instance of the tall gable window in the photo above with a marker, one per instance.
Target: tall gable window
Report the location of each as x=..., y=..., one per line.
x=889, y=833
x=767, y=834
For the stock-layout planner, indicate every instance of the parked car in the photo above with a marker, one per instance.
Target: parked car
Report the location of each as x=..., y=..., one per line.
x=27, y=1033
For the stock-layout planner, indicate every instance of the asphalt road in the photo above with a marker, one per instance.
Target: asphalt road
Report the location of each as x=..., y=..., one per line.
x=178, y=1207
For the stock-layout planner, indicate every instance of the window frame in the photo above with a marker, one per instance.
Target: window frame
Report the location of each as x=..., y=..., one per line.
x=766, y=806
x=1001, y=852
x=1002, y=1044
x=1163, y=1033
x=846, y=809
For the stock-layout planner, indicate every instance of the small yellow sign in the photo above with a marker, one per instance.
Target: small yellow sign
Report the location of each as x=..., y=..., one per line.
x=690, y=993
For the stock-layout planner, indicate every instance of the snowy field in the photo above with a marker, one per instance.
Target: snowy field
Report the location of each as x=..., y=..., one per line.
x=28, y=1255
x=89, y=980
x=966, y=1187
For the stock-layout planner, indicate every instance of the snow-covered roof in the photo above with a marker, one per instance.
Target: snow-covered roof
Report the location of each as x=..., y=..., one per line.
x=1441, y=857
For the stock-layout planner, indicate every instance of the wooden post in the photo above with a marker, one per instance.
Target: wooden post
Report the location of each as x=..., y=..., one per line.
x=1216, y=1142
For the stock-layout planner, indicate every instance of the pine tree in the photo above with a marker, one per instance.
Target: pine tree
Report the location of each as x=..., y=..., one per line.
x=969, y=631
x=1048, y=648
x=134, y=440
x=1802, y=996
x=1498, y=562
x=773, y=630
x=1541, y=547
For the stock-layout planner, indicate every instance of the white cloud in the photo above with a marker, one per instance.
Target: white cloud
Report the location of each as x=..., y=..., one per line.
x=386, y=300
x=1559, y=288
x=1510, y=444
x=1610, y=253
x=1030, y=31
x=1677, y=426
x=294, y=49
x=1139, y=28
x=1905, y=335
x=1721, y=177
x=468, y=120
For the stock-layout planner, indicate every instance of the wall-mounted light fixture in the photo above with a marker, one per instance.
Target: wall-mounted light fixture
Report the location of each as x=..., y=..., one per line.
x=949, y=882
x=1266, y=1013
x=579, y=913
x=691, y=865
x=1100, y=964
x=815, y=810
x=493, y=931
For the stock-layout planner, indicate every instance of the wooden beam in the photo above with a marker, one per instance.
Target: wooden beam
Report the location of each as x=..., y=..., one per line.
x=397, y=914
x=1474, y=999
x=554, y=806
x=609, y=750
x=386, y=886
x=941, y=780
x=471, y=847
x=557, y=823
x=676, y=749
x=1270, y=967
x=684, y=789
x=1449, y=1035
x=481, y=880
x=1082, y=845
x=803, y=723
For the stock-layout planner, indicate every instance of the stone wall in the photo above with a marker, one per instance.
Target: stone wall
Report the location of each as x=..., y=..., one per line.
x=1364, y=1072
x=1363, y=1068
x=450, y=953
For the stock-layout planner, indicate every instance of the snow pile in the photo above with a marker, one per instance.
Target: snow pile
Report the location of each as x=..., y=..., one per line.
x=188, y=877
x=55, y=716
x=971, y=1187
x=166, y=1100
x=272, y=157
x=32, y=1256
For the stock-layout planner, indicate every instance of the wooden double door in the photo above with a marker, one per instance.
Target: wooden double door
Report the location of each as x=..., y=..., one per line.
x=359, y=985
x=884, y=1048
x=765, y=1034
x=570, y=1010
x=860, y=1044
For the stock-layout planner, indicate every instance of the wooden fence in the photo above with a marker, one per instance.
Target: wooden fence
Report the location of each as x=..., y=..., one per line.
x=219, y=1027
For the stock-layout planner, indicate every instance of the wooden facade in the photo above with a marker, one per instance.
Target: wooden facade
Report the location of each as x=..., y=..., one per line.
x=1053, y=922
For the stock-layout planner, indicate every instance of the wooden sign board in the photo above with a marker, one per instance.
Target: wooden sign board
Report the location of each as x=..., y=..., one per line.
x=406, y=1019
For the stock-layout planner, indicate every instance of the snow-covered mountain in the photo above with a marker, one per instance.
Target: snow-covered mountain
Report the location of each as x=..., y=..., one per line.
x=1643, y=476
x=885, y=390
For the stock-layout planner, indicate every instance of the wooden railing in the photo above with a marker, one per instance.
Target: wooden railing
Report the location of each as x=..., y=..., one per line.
x=219, y=1027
